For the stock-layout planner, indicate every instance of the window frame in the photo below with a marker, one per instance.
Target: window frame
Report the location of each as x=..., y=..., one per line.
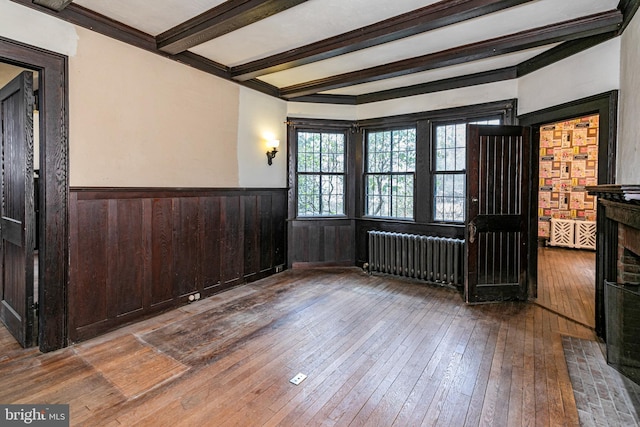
x=391, y=173
x=355, y=130
x=433, y=170
x=322, y=127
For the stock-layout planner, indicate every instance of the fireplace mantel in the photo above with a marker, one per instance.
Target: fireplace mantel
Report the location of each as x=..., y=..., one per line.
x=621, y=202
x=618, y=255
x=616, y=192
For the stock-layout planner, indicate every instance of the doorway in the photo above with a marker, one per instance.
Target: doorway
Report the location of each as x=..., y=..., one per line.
x=567, y=164
x=18, y=158
x=53, y=189
x=605, y=107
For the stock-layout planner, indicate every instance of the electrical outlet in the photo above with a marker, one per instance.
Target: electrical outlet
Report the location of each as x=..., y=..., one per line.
x=298, y=379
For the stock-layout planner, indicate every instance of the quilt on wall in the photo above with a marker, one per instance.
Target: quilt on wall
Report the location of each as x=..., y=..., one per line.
x=568, y=163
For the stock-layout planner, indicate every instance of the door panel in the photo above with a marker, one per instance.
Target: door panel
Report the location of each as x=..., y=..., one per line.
x=17, y=211
x=497, y=213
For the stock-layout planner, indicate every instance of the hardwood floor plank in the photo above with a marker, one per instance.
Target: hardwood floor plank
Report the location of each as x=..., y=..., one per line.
x=377, y=351
x=437, y=324
x=566, y=283
x=397, y=355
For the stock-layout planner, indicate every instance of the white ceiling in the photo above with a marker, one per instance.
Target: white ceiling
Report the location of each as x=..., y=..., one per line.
x=316, y=20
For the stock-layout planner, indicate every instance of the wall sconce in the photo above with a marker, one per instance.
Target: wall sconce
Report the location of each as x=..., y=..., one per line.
x=272, y=144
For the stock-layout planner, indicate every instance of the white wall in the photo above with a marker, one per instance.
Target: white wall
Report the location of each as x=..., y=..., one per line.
x=23, y=24
x=591, y=72
x=137, y=119
x=140, y=120
x=322, y=111
x=261, y=117
x=628, y=156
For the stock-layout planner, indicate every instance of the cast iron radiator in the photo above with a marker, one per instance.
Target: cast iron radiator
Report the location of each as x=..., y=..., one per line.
x=433, y=259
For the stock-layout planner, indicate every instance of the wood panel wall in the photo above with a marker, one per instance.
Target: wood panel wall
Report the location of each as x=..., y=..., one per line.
x=136, y=252
x=321, y=242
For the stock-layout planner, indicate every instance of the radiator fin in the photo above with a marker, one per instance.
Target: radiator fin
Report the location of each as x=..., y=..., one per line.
x=428, y=258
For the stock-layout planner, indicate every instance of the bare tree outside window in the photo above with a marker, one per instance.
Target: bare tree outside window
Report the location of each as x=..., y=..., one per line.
x=449, y=179
x=320, y=170
x=390, y=173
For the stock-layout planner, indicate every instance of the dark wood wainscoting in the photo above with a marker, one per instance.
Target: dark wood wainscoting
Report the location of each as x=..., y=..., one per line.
x=321, y=242
x=136, y=252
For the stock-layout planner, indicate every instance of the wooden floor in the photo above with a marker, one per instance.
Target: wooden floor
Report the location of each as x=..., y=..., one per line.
x=377, y=351
x=566, y=283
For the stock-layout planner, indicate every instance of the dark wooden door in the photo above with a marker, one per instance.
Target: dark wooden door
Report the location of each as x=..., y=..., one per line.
x=497, y=213
x=17, y=211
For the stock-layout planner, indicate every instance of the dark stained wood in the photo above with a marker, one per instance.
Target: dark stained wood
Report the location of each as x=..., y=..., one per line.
x=377, y=351
x=434, y=16
x=568, y=30
x=250, y=256
x=128, y=242
x=137, y=252
x=264, y=229
x=231, y=215
x=310, y=244
x=327, y=99
x=617, y=193
x=560, y=52
x=629, y=9
x=606, y=106
x=228, y=16
x=439, y=14
x=17, y=212
x=89, y=302
x=56, y=5
x=54, y=231
x=210, y=246
x=162, y=245
x=546, y=58
x=497, y=213
x=326, y=242
x=439, y=85
x=186, y=244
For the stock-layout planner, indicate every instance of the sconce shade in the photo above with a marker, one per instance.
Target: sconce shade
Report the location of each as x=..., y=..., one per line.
x=273, y=143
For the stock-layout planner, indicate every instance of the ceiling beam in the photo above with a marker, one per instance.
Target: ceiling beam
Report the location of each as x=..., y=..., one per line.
x=561, y=52
x=56, y=5
x=485, y=77
x=229, y=16
x=564, y=31
x=629, y=9
x=438, y=15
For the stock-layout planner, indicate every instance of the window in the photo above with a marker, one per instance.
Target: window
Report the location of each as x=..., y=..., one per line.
x=320, y=173
x=449, y=178
x=390, y=173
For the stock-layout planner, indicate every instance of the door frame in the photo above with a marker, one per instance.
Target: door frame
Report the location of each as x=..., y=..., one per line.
x=53, y=252
x=606, y=106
